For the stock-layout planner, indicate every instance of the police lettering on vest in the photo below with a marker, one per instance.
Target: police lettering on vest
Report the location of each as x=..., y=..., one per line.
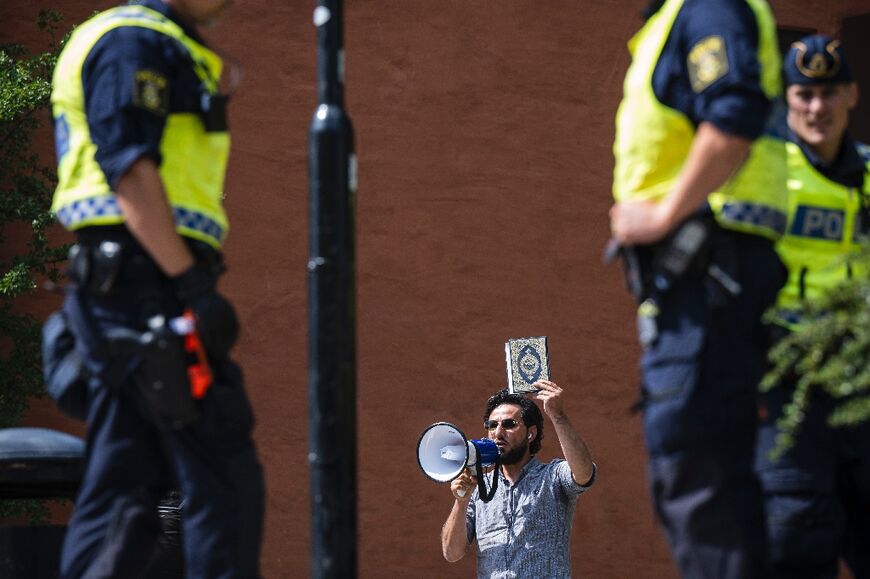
x=818, y=223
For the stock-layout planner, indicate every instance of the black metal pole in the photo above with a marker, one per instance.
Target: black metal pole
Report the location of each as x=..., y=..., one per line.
x=331, y=311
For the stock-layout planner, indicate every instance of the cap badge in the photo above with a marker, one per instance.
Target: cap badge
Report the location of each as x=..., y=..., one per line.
x=818, y=65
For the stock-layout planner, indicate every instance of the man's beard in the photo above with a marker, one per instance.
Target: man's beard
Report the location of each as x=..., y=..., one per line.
x=515, y=454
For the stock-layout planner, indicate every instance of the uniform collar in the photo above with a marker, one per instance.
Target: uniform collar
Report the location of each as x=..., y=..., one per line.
x=652, y=8
x=167, y=10
x=847, y=169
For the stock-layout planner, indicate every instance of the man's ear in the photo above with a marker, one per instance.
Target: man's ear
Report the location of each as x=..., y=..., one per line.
x=533, y=432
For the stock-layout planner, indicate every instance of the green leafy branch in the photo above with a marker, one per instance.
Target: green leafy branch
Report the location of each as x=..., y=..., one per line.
x=827, y=354
x=26, y=185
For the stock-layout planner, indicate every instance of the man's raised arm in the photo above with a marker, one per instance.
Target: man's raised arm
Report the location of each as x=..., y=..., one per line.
x=573, y=446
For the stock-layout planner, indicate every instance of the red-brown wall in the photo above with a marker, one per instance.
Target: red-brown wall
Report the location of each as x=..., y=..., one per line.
x=484, y=137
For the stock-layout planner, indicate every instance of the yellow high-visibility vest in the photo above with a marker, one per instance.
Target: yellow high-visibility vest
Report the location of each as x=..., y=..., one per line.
x=824, y=228
x=653, y=140
x=194, y=161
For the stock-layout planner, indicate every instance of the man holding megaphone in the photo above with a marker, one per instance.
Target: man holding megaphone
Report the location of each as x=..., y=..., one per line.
x=525, y=529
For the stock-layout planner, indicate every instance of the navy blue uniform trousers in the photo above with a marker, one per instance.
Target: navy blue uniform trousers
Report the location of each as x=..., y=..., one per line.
x=131, y=462
x=817, y=494
x=700, y=390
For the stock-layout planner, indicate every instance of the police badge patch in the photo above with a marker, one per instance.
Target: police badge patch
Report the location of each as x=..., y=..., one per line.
x=708, y=62
x=151, y=92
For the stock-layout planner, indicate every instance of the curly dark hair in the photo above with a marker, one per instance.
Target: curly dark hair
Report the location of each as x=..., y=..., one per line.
x=530, y=413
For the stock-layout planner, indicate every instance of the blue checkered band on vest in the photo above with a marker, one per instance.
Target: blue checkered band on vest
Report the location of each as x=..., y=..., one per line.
x=81, y=212
x=753, y=214
x=198, y=222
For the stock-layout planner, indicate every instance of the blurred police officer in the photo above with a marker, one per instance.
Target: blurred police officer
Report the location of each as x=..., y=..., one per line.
x=142, y=146
x=818, y=493
x=699, y=186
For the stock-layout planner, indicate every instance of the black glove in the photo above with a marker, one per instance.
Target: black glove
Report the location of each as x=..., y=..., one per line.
x=216, y=319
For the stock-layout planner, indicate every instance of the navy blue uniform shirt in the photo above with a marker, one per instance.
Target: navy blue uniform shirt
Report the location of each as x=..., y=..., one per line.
x=734, y=102
x=847, y=169
x=127, y=124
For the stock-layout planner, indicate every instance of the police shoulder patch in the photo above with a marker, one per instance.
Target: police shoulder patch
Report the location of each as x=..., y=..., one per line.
x=707, y=62
x=151, y=92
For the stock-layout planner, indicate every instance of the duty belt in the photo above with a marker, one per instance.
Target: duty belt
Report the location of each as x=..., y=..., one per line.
x=697, y=248
x=101, y=266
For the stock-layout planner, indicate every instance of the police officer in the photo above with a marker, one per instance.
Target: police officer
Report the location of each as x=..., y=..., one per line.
x=699, y=188
x=142, y=145
x=818, y=493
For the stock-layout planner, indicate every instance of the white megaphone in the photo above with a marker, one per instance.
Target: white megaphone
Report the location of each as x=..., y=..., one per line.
x=444, y=452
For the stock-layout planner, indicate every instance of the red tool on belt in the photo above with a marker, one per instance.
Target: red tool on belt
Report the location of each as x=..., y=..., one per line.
x=198, y=370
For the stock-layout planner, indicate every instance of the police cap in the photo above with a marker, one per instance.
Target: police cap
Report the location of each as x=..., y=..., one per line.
x=816, y=59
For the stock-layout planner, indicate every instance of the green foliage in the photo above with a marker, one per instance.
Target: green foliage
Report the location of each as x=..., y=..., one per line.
x=33, y=511
x=829, y=353
x=26, y=185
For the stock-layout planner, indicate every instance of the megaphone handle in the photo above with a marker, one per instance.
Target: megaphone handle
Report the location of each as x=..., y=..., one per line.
x=481, y=481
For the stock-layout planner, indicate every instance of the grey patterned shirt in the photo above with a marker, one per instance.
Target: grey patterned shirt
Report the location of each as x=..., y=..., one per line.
x=525, y=530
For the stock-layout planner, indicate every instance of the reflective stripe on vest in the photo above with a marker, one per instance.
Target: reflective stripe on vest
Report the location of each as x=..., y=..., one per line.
x=105, y=210
x=653, y=140
x=824, y=227
x=194, y=161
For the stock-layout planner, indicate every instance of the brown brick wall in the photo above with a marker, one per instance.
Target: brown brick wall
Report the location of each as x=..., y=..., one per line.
x=484, y=135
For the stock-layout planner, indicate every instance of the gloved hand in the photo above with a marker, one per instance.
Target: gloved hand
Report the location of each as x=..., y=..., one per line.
x=216, y=319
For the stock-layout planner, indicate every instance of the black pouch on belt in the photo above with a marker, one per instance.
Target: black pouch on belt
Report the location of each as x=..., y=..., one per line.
x=95, y=268
x=64, y=374
x=162, y=377
x=161, y=374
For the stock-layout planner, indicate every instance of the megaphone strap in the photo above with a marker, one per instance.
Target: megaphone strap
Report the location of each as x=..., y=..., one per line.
x=481, y=480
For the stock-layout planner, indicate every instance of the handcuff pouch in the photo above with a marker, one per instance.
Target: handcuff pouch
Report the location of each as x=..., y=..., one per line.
x=162, y=378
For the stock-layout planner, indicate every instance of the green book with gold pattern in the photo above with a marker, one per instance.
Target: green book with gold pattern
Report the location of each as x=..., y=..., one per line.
x=527, y=361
